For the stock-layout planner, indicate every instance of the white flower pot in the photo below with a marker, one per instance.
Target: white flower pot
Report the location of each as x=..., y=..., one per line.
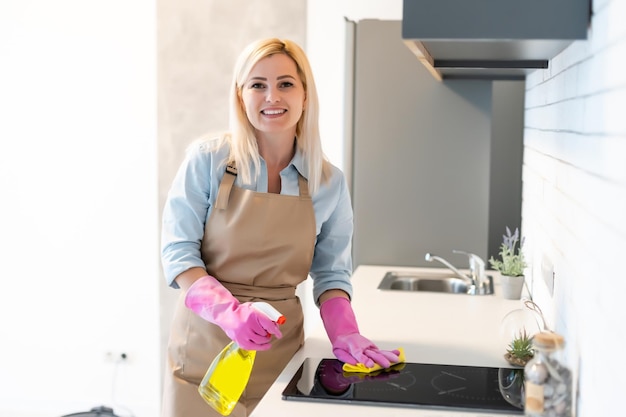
x=512, y=286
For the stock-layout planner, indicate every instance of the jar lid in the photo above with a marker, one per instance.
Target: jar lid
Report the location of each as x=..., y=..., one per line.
x=548, y=340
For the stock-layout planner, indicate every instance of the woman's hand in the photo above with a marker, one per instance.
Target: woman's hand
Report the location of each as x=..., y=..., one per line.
x=348, y=344
x=244, y=324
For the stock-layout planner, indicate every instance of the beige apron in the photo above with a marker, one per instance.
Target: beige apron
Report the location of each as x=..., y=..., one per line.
x=260, y=246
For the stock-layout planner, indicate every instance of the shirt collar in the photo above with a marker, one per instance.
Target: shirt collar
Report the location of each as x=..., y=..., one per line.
x=299, y=163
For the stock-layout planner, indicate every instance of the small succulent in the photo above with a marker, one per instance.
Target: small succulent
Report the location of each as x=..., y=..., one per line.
x=512, y=263
x=520, y=349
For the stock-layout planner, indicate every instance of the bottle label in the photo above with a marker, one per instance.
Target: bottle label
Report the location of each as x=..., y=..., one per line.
x=534, y=398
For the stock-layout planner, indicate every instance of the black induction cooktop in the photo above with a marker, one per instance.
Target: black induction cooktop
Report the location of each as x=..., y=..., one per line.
x=417, y=385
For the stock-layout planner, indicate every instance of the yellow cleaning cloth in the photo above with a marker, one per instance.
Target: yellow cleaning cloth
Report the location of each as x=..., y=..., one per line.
x=361, y=368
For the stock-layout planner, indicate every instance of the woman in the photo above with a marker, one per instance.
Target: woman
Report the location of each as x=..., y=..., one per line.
x=248, y=217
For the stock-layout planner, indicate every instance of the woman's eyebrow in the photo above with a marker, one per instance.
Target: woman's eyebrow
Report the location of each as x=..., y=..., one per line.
x=280, y=77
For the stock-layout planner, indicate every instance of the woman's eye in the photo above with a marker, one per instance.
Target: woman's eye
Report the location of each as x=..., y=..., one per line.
x=257, y=85
x=286, y=84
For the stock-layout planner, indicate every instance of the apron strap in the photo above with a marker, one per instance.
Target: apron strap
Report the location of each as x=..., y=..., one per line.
x=303, y=185
x=229, y=180
x=227, y=184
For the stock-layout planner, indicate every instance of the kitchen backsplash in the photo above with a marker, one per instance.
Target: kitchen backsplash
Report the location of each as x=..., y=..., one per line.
x=574, y=200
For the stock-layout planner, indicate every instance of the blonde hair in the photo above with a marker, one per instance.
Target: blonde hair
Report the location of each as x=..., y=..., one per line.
x=244, y=150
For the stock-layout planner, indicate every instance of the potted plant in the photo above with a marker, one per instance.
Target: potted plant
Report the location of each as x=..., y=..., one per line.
x=520, y=350
x=511, y=265
x=511, y=380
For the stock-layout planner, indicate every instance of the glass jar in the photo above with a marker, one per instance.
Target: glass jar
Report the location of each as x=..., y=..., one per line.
x=548, y=382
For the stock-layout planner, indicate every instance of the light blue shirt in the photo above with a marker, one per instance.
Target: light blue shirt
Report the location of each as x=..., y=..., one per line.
x=193, y=194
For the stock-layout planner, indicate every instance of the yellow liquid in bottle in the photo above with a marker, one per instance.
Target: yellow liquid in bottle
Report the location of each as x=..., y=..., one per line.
x=226, y=378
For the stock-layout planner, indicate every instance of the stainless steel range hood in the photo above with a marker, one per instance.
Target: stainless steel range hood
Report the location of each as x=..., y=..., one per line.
x=491, y=39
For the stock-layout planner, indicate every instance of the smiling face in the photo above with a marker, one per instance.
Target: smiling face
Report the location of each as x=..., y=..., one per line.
x=273, y=96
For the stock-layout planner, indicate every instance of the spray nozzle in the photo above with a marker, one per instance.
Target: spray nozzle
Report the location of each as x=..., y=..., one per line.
x=269, y=311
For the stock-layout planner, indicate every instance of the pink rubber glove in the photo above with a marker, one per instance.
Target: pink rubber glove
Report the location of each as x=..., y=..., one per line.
x=245, y=325
x=348, y=344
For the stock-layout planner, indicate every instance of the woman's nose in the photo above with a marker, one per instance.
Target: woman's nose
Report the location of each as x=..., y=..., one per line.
x=272, y=96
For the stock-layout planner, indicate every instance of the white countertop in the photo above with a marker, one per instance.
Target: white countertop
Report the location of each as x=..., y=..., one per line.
x=437, y=328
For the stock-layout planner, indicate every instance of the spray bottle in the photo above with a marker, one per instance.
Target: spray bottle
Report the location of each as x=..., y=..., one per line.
x=229, y=372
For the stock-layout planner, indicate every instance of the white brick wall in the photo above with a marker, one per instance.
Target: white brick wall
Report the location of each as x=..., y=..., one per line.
x=574, y=204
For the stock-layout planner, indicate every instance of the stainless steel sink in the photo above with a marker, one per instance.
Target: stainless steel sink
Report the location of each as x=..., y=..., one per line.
x=442, y=281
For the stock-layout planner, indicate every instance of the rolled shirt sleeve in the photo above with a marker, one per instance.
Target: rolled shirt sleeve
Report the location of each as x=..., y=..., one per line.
x=332, y=262
x=185, y=212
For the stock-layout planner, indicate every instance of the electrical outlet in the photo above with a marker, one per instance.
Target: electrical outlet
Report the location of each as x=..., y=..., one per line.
x=547, y=272
x=115, y=356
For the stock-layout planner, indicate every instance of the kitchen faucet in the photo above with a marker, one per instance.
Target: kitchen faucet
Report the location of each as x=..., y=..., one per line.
x=480, y=283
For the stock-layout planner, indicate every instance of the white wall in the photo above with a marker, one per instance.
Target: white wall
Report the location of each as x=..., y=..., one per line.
x=574, y=201
x=78, y=254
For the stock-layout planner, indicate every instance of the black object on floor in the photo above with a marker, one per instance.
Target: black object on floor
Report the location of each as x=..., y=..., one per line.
x=100, y=411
